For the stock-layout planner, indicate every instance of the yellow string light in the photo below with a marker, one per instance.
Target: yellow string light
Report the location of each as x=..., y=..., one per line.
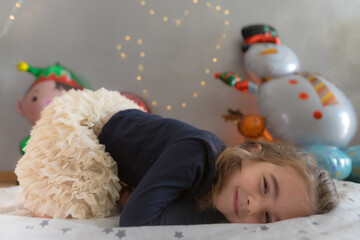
x=11, y=18
x=177, y=22
x=127, y=38
x=118, y=47
x=123, y=55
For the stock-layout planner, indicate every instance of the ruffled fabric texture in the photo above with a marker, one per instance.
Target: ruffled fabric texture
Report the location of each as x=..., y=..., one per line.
x=65, y=171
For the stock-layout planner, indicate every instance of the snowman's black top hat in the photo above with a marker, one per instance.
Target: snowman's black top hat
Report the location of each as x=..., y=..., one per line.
x=259, y=33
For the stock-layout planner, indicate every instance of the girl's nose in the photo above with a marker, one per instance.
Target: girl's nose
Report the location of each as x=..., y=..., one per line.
x=253, y=206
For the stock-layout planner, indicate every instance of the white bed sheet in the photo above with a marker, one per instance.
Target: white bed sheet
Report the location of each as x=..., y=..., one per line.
x=341, y=223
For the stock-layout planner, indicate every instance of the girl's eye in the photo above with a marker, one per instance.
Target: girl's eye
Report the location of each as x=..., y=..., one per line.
x=267, y=217
x=265, y=186
x=34, y=99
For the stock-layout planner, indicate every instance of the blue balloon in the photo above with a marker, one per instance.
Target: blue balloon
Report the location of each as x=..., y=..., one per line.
x=354, y=154
x=332, y=159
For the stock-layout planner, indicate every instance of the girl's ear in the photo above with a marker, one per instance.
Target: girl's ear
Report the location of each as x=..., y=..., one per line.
x=252, y=147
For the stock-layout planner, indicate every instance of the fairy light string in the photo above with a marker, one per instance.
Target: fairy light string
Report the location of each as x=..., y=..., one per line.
x=167, y=19
x=177, y=23
x=11, y=18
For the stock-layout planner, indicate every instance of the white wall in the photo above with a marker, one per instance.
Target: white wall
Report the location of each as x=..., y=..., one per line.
x=83, y=35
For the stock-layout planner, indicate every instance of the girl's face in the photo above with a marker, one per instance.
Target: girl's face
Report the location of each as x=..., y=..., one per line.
x=263, y=192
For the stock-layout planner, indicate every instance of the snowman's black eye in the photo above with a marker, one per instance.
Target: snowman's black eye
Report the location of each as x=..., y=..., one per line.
x=34, y=99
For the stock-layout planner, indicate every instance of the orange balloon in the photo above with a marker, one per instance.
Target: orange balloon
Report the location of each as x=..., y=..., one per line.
x=252, y=126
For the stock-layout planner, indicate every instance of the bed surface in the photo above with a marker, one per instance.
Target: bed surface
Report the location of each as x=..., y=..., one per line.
x=342, y=223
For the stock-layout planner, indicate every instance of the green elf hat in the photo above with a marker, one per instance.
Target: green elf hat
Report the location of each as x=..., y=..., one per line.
x=54, y=72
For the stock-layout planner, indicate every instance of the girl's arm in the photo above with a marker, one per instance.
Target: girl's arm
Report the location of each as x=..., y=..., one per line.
x=166, y=194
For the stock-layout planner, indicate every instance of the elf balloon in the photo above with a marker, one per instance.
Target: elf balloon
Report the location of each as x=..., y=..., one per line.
x=49, y=82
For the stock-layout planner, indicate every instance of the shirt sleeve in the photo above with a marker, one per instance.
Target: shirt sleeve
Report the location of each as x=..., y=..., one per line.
x=159, y=197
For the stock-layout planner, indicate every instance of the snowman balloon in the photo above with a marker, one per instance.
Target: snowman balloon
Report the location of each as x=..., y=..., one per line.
x=301, y=108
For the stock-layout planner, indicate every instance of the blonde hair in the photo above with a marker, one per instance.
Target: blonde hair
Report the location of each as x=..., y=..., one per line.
x=321, y=191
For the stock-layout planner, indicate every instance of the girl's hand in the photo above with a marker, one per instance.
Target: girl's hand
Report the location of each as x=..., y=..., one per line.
x=34, y=214
x=125, y=194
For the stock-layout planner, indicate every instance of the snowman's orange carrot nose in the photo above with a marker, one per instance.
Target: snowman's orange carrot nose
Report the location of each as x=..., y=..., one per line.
x=269, y=51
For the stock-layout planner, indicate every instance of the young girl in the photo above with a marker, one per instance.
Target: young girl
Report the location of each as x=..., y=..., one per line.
x=183, y=175
x=180, y=174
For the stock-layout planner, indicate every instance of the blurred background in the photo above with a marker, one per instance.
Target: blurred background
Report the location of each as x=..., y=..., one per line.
x=167, y=51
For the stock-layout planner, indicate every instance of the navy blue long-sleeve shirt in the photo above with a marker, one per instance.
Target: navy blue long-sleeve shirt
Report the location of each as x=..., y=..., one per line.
x=169, y=163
